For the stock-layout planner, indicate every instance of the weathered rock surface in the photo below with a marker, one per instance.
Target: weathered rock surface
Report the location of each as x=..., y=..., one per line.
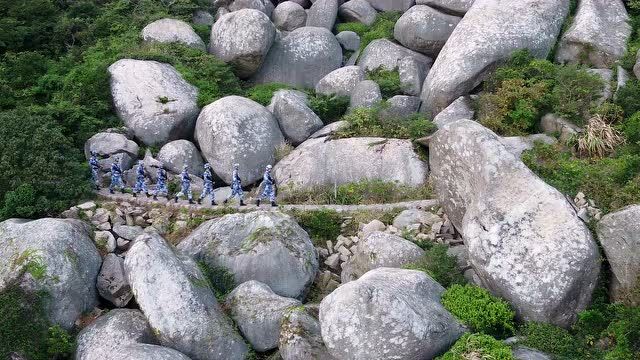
x=301, y=58
x=258, y=312
x=387, y=314
x=598, y=35
x=552, y=124
x=202, y=17
x=424, y=29
x=243, y=39
x=52, y=255
x=412, y=74
x=297, y=121
x=414, y=216
x=176, y=300
x=454, y=7
x=392, y=5
x=357, y=11
x=379, y=249
x=300, y=336
x=153, y=100
x=265, y=6
x=289, y=16
x=176, y=154
x=349, y=40
x=266, y=246
x=518, y=144
x=400, y=106
x=112, y=283
x=525, y=240
x=468, y=56
x=366, y=95
x=238, y=130
x=323, y=14
x=619, y=234
x=110, y=146
x=461, y=109
x=172, y=31
x=350, y=160
x=525, y=353
x=112, y=332
x=386, y=54
x=148, y=352
x=341, y=81
x=329, y=129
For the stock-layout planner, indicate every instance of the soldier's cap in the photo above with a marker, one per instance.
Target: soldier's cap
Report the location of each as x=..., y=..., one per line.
x=269, y=167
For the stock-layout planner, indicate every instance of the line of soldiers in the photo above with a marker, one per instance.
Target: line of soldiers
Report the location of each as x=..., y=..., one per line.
x=268, y=183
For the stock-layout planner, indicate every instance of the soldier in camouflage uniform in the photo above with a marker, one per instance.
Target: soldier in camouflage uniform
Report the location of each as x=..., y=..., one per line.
x=95, y=169
x=141, y=184
x=116, y=176
x=269, y=187
x=161, y=185
x=208, y=185
x=236, y=186
x=185, y=182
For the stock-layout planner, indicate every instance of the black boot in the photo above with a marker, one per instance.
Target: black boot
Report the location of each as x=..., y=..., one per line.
x=155, y=197
x=135, y=194
x=214, y=203
x=111, y=191
x=242, y=203
x=175, y=199
x=147, y=194
x=191, y=201
x=199, y=201
x=273, y=204
x=258, y=202
x=225, y=202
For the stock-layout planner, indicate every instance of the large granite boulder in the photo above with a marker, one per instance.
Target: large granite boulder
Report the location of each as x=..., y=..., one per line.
x=461, y=109
x=258, y=312
x=379, y=249
x=468, y=56
x=323, y=14
x=412, y=74
x=266, y=246
x=153, y=100
x=424, y=29
x=598, y=35
x=358, y=11
x=400, y=107
x=238, y=130
x=176, y=299
x=148, y=352
x=172, y=31
x=341, y=81
x=365, y=95
x=176, y=154
x=112, y=146
x=297, y=121
x=54, y=256
x=454, y=7
x=111, y=332
x=289, y=16
x=300, y=335
x=525, y=241
x=112, y=283
x=265, y=6
x=349, y=40
x=388, y=314
x=318, y=162
x=243, y=39
x=383, y=53
x=392, y=5
x=619, y=234
x=301, y=58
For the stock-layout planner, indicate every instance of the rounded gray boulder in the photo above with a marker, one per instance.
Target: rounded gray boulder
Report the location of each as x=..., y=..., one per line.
x=178, y=153
x=424, y=29
x=300, y=335
x=383, y=53
x=148, y=352
x=388, y=314
x=55, y=256
x=266, y=246
x=289, y=16
x=153, y=100
x=172, y=31
x=366, y=95
x=297, y=121
x=323, y=14
x=455, y=7
x=392, y=5
x=301, y=58
x=238, y=130
x=243, y=39
x=110, y=146
x=341, y=81
x=358, y=11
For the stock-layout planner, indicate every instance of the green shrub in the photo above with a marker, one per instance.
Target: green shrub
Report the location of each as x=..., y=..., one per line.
x=322, y=225
x=372, y=123
x=439, y=265
x=575, y=93
x=60, y=344
x=262, y=93
x=389, y=81
x=550, y=339
x=329, y=108
x=478, y=309
x=631, y=129
x=382, y=28
x=627, y=97
x=219, y=279
x=478, y=346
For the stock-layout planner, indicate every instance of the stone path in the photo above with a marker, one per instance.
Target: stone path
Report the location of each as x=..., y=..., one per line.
x=143, y=200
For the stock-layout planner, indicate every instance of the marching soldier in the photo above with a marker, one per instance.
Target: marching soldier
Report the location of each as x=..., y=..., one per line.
x=208, y=185
x=161, y=185
x=116, y=177
x=185, y=182
x=141, y=185
x=269, y=187
x=95, y=169
x=236, y=186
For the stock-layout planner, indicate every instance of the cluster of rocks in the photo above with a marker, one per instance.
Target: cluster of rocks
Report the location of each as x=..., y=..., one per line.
x=586, y=208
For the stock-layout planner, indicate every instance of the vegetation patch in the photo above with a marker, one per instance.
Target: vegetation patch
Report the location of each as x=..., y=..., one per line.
x=382, y=28
x=371, y=123
x=439, y=266
x=478, y=309
x=389, y=81
x=219, y=279
x=478, y=346
x=321, y=225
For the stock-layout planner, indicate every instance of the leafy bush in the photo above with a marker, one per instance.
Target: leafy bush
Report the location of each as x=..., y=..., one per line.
x=439, y=265
x=329, y=108
x=389, y=81
x=631, y=129
x=262, y=93
x=322, y=225
x=25, y=329
x=382, y=28
x=550, y=339
x=612, y=182
x=477, y=346
x=478, y=309
x=371, y=123
x=219, y=279
x=627, y=97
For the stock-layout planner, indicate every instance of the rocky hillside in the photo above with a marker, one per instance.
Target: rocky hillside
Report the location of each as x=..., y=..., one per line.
x=457, y=179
